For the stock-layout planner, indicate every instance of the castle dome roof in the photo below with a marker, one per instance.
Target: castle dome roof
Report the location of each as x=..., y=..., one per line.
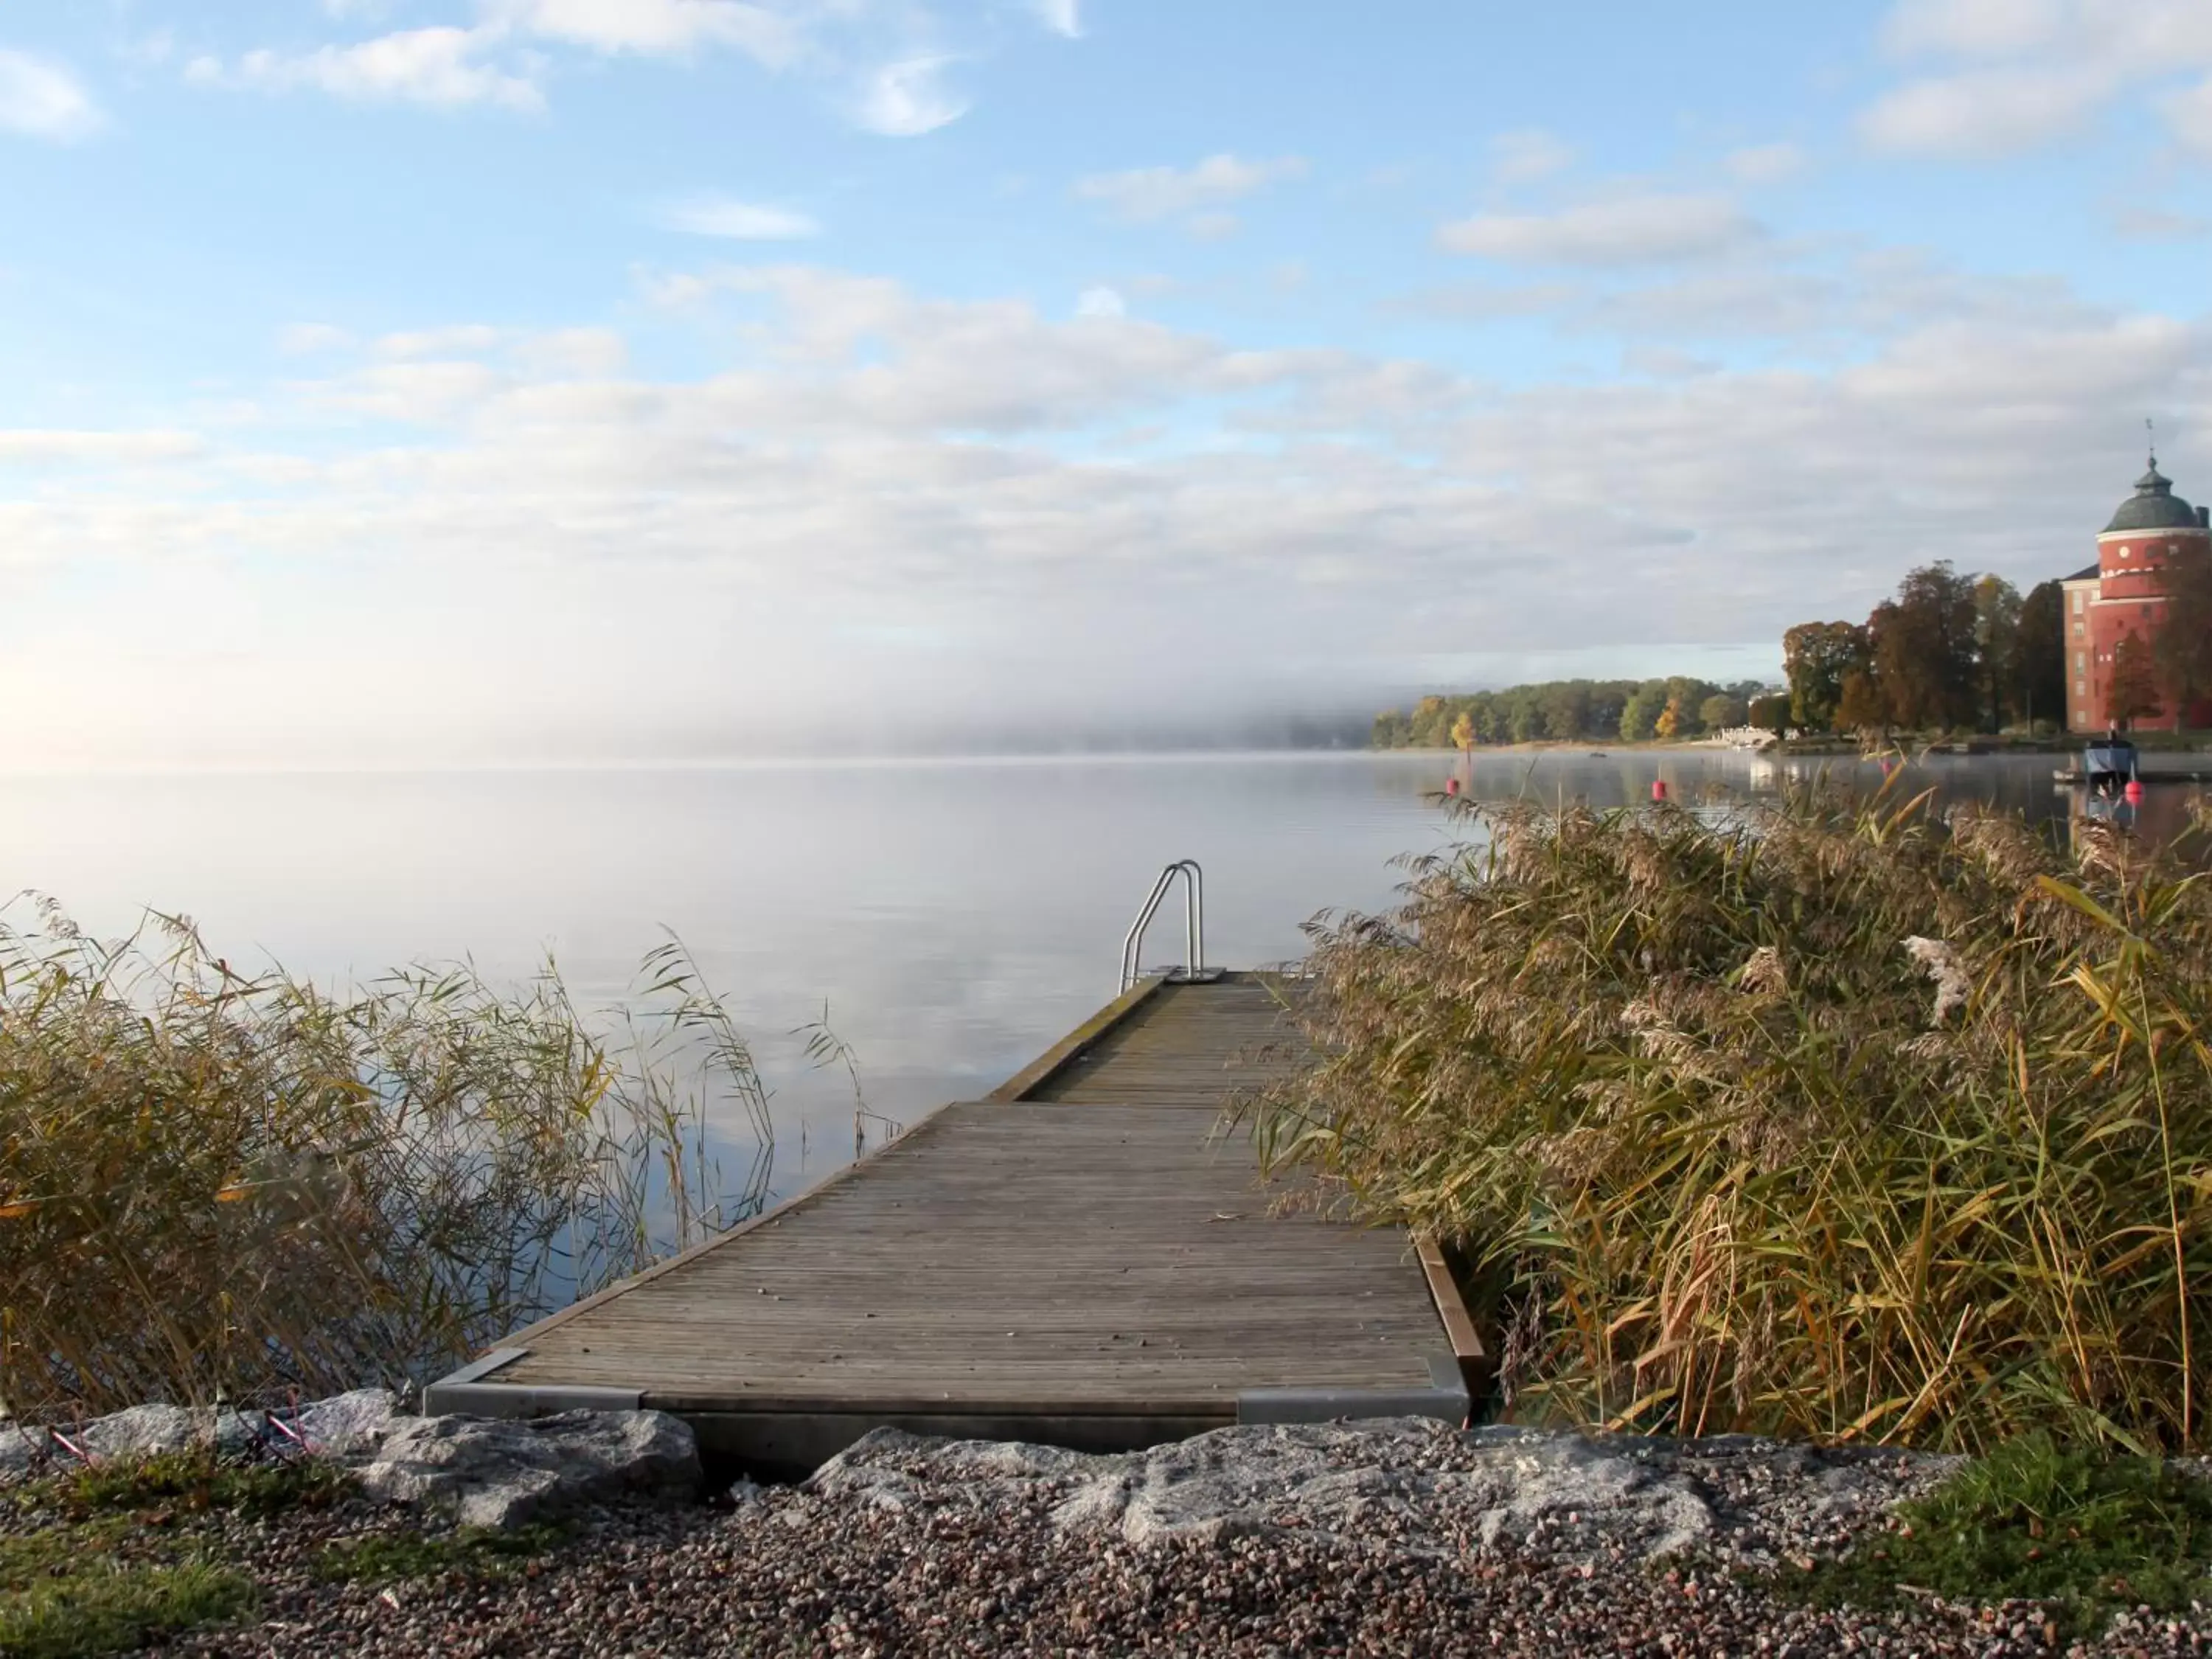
x=2154, y=507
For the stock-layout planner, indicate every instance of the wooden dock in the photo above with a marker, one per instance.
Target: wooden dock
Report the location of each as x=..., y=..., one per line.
x=1082, y=1259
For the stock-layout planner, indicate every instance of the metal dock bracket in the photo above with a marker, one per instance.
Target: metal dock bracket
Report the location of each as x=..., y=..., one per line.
x=1194, y=969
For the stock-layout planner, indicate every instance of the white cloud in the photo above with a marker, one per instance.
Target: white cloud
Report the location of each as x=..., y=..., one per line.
x=442, y=67
x=2029, y=71
x=454, y=340
x=1484, y=302
x=743, y=222
x=504, y=57
x=1874, y=295
x=1145, y=193
x=49, y=446
x=1100, y=302
x=41, y=99
x=2190, y=112
x=664, y=27
x=1665, y=363
x=1625, y=230
x=2141, y=224
x=1767, y=164
x=1986, y=113
x=571, y=354
x=1519, y=158
x=908, y=98
x=307, y=339
x=430, y=392
x=1062, y=16
x=1974, y=27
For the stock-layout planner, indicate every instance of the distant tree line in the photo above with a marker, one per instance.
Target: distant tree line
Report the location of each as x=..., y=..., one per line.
x=1575, y=711
x=1947, y=651
x=1950, y=652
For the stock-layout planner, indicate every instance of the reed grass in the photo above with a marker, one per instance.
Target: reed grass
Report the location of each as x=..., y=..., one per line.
x=217, y=1186
x=1848, y=1119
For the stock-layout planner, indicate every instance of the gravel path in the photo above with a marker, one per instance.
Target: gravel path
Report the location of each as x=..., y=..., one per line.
x=912, y=1547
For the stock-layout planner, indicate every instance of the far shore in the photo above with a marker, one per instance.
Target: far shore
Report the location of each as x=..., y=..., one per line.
x=2196, y=742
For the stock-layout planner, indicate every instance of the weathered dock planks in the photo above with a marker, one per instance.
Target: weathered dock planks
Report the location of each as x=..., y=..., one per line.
x=1086, y=1261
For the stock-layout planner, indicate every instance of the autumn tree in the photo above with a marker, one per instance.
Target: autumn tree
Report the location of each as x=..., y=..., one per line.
x=1669, y=724
x=1923, y=649
x=1816, y=657
x=2131, y=695
x=1996, y=631
x=1463, y=731
x=2037, y=661
x=2181, y=647
x=1770, y=712
x=1864, y=706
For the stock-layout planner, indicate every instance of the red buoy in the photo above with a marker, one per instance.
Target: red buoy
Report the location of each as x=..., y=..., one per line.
x=2134, y=792
x=1451, y=785
x=1658, y=788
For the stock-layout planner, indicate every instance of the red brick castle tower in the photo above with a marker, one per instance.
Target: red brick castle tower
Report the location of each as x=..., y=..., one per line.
x=2123, y=593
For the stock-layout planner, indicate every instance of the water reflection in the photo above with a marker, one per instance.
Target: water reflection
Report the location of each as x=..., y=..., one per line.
x=2026, y=784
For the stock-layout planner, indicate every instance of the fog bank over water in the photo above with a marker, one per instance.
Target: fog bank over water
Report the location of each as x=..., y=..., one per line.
x=386, y=665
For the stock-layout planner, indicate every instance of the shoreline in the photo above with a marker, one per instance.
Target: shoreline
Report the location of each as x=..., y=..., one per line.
x=1396, y=1536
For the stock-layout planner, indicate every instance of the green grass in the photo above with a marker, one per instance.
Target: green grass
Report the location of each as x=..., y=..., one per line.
x=65, y=1593
x=197, y=1481
x=2083, y=1534
x=472, y=1551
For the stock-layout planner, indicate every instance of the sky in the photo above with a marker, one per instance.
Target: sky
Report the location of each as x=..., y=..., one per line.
x=450, y=382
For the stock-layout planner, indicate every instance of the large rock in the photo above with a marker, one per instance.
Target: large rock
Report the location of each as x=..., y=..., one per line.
x=1426, y=1486
x=22, y=1452
x=347, y=1426
x=350, y=1425
x=497, y=1472
x=142, y=1431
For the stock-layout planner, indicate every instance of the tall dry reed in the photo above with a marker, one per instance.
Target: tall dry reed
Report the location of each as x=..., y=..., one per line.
x=214, y=1185
x=1848, y=1120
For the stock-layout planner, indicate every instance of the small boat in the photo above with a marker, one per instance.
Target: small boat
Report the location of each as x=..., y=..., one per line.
x=2109, y=765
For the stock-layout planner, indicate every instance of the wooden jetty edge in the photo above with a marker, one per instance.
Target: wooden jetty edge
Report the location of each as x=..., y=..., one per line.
x=1080, y=1259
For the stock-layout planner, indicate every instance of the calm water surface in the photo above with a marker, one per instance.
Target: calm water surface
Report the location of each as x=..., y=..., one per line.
x=956, y=917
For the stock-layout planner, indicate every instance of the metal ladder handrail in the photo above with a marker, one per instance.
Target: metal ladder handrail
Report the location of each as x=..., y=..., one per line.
x=1193, y=923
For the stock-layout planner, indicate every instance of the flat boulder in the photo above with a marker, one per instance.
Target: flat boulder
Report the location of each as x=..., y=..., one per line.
x=496, y=1472
x=1424, y=1487
x=348, y=1426
x=143, y=1432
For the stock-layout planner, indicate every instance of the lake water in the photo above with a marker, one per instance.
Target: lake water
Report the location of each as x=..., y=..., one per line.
x=957, y=917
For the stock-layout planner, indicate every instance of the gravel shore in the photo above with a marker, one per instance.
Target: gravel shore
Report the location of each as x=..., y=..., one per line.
x=1370, y=1543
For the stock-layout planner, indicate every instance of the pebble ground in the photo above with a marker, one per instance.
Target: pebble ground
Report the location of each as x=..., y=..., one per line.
x=791, y=1573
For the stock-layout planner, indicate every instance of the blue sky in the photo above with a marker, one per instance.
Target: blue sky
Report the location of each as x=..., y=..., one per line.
x=457, y=380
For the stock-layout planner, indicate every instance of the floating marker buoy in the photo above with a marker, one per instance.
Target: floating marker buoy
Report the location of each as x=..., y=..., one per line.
x=2134, y=792
x=1451, y=785
x=1658, y=788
